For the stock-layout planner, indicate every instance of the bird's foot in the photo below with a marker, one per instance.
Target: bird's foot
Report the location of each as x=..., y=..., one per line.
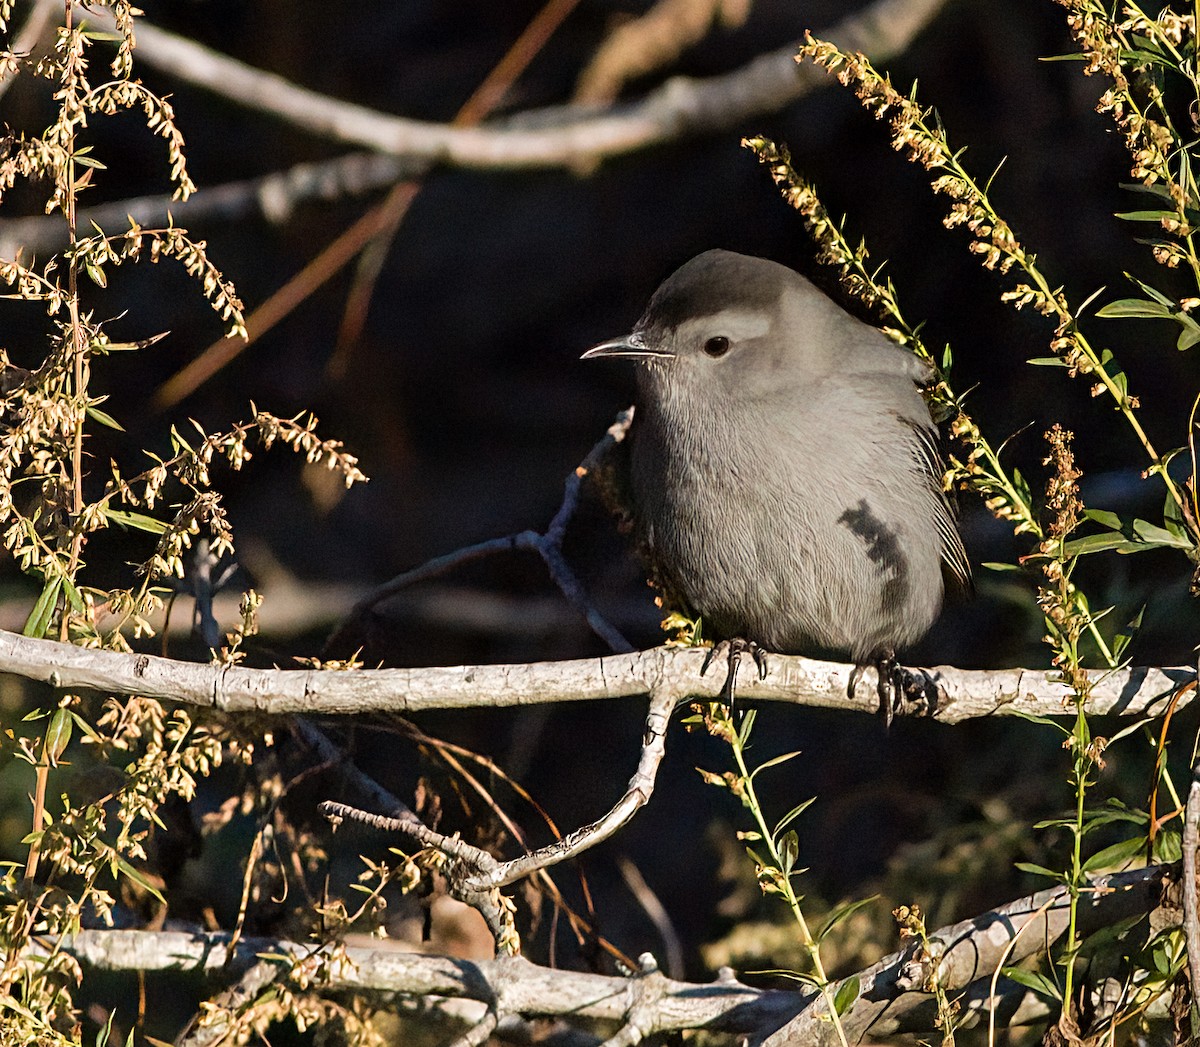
x=734, y=649
x=890, y=684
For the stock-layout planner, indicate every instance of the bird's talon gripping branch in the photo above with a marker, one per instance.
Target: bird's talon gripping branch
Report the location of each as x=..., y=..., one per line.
x=734, y=649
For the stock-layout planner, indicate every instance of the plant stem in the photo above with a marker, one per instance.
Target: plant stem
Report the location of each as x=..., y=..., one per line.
x=784, y=885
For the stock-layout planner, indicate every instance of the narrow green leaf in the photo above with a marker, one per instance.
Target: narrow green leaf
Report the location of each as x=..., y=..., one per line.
x=1034, y=980
x=142, y=522
x=1047, y=361
x=1035, y=718
x=775, y=761
x=747, y=726
x=1102, y=543
x=83, y=725
x=39, y=618
x=792, y=815
x=994, y=565
x=840, y=913
x=72, y=595
x=1155, y=535
x=1054, y=823
x=789, y=850
x=1153, y=292
x=58, y=735
x=137, y=877
x=1117, y=854
x=846, y=994
x=1159, y=191
x=1145, y=216
x=1135, y=307
x=104, y=418
x=1038, y=870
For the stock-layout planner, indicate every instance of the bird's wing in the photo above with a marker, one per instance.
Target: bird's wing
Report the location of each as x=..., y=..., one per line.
x=928, y=457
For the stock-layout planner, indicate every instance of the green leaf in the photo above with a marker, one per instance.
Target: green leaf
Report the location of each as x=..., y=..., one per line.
x=775, y=761
x=1168, y=846
x=792, y=815
x=1047, y=361
x=1102, y=543
x=1153, y=292
x=72, y=595
x=846, y=994
x=1159, y=536
x=58, y=735
x=1145, y=216
x=83, y=725
x=1136, y=307
x=789, y=850
x=1188, y=337
x=1046, y=720
x=747, y=726
x=1102, y=516
x=1123, y=638
x=997, y=566
x=1054, y=823
x=1159, y=191
x=1038, y=870
x=142, y=522
x=1173, y=517
x=840, y=913
x=137, y=877
x=1117, y=854
x=39, y=618
x=95, y=273
x=96, y=415
x=1034, y=980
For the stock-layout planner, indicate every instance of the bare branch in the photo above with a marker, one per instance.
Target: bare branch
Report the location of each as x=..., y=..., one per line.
x=548, y=546
x=477, y=873
x=890, y=999
x=649, y=1003
x=275, y=196
x=557, y=137
x=952, y=695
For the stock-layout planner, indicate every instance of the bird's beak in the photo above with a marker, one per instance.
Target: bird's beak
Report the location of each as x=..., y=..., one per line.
x=634, y=344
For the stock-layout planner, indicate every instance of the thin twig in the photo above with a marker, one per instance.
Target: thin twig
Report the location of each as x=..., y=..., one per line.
x=548, y=546
x=478, y=873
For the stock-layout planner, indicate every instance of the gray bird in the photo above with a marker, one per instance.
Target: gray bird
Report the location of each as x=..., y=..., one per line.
x=786, y=481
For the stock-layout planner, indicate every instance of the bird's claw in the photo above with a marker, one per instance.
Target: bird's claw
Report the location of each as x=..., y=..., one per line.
x=889, y=684
x=734, y=649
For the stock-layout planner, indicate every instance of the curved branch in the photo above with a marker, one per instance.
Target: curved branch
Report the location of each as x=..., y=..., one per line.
x=557, y=137
x=949, y=695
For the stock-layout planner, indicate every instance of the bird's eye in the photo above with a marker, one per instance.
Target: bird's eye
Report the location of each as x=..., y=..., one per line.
x=717, y=346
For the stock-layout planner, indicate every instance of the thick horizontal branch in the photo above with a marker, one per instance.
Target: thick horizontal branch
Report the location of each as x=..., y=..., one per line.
x=514, y=985
x=949, y=695
x=564, y=136
x=890, y=997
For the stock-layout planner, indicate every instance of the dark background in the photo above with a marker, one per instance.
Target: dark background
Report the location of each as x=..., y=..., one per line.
x=468, y=407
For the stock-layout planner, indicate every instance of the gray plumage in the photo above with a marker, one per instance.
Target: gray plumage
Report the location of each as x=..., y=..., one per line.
x=785, y=476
